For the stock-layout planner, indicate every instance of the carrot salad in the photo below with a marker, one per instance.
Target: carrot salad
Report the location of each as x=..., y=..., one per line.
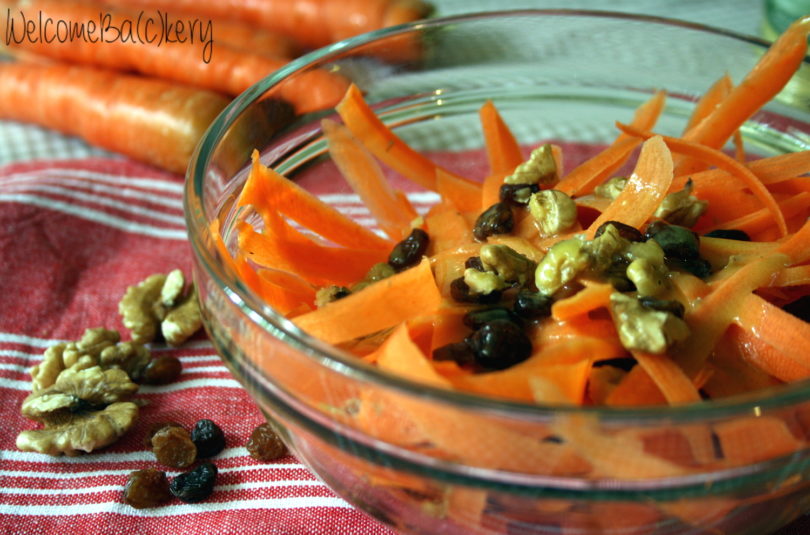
x=670, y=285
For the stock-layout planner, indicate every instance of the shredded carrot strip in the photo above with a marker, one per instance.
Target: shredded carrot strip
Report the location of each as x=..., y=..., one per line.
x=265, y=188
x=385, y=303
x=586, y=176
x=646, y=188
x=670, y=378
x=717, y=158
x=765, y=80
x=392, y=211
x=718, y=309
x=361, y=120
x=592, y=297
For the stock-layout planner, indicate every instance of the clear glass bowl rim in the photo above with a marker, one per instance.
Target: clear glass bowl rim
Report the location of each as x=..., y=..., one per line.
x=325, y=355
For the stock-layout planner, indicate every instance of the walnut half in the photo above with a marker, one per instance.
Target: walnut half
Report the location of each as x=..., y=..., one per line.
x=158, y=305
x=82, y=411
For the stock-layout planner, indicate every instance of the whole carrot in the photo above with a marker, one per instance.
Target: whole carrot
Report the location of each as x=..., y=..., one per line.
x=312, y=23
x=153, y=121
x=202, y=64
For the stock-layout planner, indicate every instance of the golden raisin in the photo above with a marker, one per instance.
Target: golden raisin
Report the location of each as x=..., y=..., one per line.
x=161, y=370
x=265, y=444
x=146, y=488
x=173, y=447
x=154, y=428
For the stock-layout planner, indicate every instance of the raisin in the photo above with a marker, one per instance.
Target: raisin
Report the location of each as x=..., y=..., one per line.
x=265, y=444
x=625, y=231
x=208, y=438
x=460, y=353
x=698, y=267
x=499, y=344
x=409, y=251
x=173, y=447
x=461, y=293
x=729, y=234
x=497, y=219
x=146, y=488
x=622, y=363
x=147, y=439
x=474, y=262
x=676, y=241
x=799, y=308
x=474, y=319
x=195, y=485
x=517, y=194
x=532, y=305
x=161, y=370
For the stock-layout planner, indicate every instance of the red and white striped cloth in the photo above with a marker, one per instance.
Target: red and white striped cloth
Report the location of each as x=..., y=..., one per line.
x=73, y=235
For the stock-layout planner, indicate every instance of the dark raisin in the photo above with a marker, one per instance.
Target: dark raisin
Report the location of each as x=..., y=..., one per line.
x=146, y=488
x=459, y=352
x=208, y=438
x=154, y=428
x=676, y=241
x=698, y=267
x=497, y=219
x=799, y=308
x=664, y=305
x=173, y=447
x=340, y=292
x=625, y=231
x=499, y=344
x=161, y=370
x=532, y=305
x=265, y=444
x=474, y=319
x=461, y=293
x=623, y=363
x=517, y=194
x=729, y=234
x=195, y=485
x=409, y=251
x=474, y=262
x=616, y=275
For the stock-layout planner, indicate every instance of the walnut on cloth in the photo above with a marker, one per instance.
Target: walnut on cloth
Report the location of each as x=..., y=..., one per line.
x=83, y=410
x=160, y=304
x=97, y=347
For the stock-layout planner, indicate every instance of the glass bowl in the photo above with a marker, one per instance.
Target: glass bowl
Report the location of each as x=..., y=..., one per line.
x=426, y=460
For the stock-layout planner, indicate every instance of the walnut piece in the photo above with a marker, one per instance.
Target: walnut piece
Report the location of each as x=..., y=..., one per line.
x=128, y=356
x=681, y=207
x=508, y=264
x=158, y=305
x=75, y=391
x=82, y=411
x=183, y=320
x=561, y=264
x=82, y=432
x=540, y=168
x=612, y=188
x=644, y=329
x=137, y=308
x=553, y=211
x=72, y=355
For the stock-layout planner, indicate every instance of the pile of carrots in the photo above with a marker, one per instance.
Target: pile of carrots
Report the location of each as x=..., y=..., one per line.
x=150, y=90
x=741, y=336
